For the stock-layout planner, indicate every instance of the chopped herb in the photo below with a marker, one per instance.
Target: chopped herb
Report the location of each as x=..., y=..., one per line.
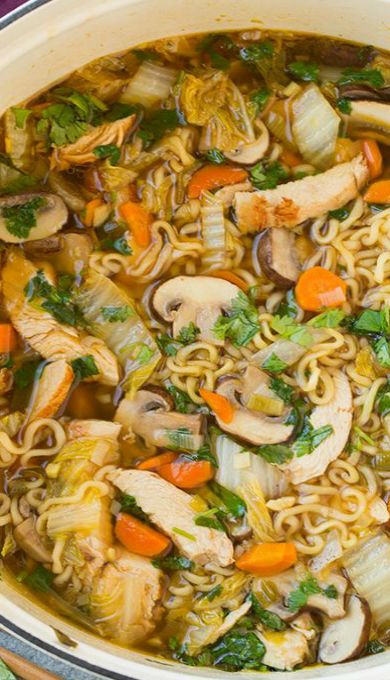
x=120, y=110
x=298, y=598
x=204, y=453
x=304, y=70
x=260, y=99
x=309, y=438
x=212, y=45
x=241, y=323
x=181, y=399
x=235, y=505
x=288, y=328
x=274, y=453
x=371, y=76
x=268, y=619
x=214, y=592
x=215, y=156
x=39, y=579
x=331, y=592
x=144, y=55
x=110, y=151
x=115, y=314
x=344, y=105
x=167, y=345
x=173, y=563
x=383, y=396
x=341, y=214
x=209, y=522
x=289, y=307
x=156, y=125
x=84, y=367
x=130, y=506
x=21, y=116
x=284, y=391
x=381, y=348
x=56, y=300
x=374, y=647
x=183, y=533
x=329, y=319
x=143, y=353
x=25, y=375
x=267, y=176
x=18, y=185
x=219, y=62
x=274, y=364
x=188, y=334
x=257, y=52
x=181, y=438
x=369, y=322
x=68, y=119
x=235, y=651
x=119, y=244
x=20, y=219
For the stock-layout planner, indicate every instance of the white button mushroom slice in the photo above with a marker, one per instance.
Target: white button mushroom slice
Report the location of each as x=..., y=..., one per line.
x=149, y=415
x=370, y=115
x=346, y=638
x=278, y=257
x=52, y=389
x=197, y=299
x=284, y=650
x=338, y=414
x=28, y=539
x=52, y=339
x=292, y=203
x=48, y=218
x=82, y=151
x=93, y=428
x=248, y=424
x=171, y=509
x=248, y=153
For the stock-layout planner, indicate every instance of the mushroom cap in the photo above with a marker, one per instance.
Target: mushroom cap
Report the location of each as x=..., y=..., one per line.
x=278, y=257
x=346, y=638
x=248, y=424
x=197, y=299
x=49, y=218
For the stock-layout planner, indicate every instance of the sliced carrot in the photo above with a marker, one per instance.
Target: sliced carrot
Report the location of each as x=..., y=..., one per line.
x=291, y=159
x=155, y=462
x=213, y=176
x=230, y=276
x=221, y=406
x=268, y=559
x=8, y=338
x=373, y=157
x=187, y=474
x=139, y=538
x=379, y=192
x=318, y=287
x=138, y=220
x=90, y=211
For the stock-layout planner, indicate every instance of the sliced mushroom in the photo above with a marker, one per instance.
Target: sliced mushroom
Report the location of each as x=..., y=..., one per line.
x=290, y=204
x=52, y=389
x=49, y=216
x=345, y=639
x=278, y=256
x=365, y=92
x=200, y=299
x=338, y=53
x=370, y=118
x=283, y=650
x=248, y=424
x=252, y=152
x=337, y=413
x=149, y=415
x=44, y=246
x=82, y=151
x=28, y=539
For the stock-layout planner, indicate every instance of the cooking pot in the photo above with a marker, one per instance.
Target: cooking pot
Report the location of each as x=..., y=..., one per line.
x=42, y=42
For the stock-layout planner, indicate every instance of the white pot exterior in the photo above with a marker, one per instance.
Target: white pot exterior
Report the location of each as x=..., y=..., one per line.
x=41, y=43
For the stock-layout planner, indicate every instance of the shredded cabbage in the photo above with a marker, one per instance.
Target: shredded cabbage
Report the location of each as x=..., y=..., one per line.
x=213, y=232
x=151, y=84
x=315, y=127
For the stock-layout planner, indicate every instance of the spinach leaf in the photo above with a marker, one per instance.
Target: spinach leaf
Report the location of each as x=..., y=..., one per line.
x=20, y=219
x=304, y=70
x=25, y=375
x=241, y=323
x=344, y=105
x=267, y=176
x=154, y=126
x=119, y=244
x=284, y=391
x=181, y=399
x=370, y=76
x=130, y=506
x=260, y=99
x=257, y=52
x=84, y=367
x=173, y=563
x=39, y=579
x=110, y=151
x=235, y=505
x=269, y=619
x=274, y=453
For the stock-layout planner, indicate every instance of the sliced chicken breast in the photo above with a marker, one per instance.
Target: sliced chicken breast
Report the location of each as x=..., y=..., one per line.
x=52, y=389
x=338, y=414
x=171, y=510
x=284, y=650
x=292, y=203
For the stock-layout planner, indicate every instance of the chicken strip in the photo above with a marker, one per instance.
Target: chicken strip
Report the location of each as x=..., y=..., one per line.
x=292, y=203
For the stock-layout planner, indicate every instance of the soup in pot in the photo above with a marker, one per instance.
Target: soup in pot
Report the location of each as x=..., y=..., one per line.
x=195, y=347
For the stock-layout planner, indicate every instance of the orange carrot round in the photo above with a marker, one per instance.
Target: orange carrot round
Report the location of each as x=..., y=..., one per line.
x=187, y=474
x=90, y=211
x=379, y=192
x=230, y=276
x=289, y=158
x=139, y=538
x=373, y=157
x=138, y=220
x=213, y=176
x=318, y=287
x=155, y=462
x=221, y=406
x=268, y=559
x=8, y=338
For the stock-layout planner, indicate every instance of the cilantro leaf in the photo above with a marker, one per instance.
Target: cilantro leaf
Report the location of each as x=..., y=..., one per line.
x=367, y=75
x=284, y=391
x=20, y=219
x=39, y=579
x=288, y=328
x=206, y=520
x=204, y=453
x=120, y=110
x=331, y=592
x=215, y=156
x=129, y=505
x=5, y=672
x=84, y=367
x=309, y=438
x=344, y=105
x=274, y=453
x=167, y=345
x=274, y=364
x=298, y=598
x=257, y=52
x=110, y=151
x=269, y=619
x=374, y=647
x=369, y=322
x=25, y=375
x=143, y=353
x=381, y=348
x=332, y=318
x=114, y=314
x=21, y=116
x=153, y=127
x=54, y=299
x=173, y=563
x=289, y=307
x=260, y=98
x=119, y=244
x=214, y=592
x=188, y=334
x=235, y=505
x=144, y=55
x=181, y=399
x=267, y=176
x=340, y=214
x=304, y=70
x=241, y=323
